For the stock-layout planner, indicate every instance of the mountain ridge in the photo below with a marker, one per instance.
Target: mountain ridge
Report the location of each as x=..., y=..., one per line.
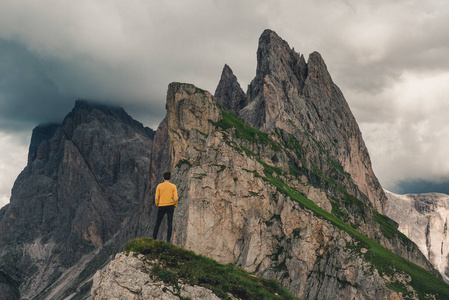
x=423, y=218
x=293, y=201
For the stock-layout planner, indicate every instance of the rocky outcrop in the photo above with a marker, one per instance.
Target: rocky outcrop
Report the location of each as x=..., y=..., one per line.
x=423, y=218
x=130, y=277
x=229, y=93
x=190, y=111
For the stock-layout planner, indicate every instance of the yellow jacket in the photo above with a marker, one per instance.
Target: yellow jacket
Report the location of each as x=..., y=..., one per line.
x=166, y=194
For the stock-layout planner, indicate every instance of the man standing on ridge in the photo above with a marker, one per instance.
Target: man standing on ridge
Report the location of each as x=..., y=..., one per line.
x=166, y=201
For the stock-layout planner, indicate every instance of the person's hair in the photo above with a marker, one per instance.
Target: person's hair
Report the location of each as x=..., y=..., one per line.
x=167, y=175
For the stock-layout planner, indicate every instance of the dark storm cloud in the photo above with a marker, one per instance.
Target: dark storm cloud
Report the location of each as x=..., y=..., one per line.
x=36, y=90
x=27, y=95
x=423, y=186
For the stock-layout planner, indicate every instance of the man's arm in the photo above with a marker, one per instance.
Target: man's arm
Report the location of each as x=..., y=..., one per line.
x=175, y=197
x=158, y=195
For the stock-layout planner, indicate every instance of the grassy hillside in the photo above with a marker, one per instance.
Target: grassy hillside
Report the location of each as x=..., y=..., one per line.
x=179, y=264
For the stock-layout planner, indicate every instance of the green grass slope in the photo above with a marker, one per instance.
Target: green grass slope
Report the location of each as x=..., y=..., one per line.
x=179, y=264
x=386, y=262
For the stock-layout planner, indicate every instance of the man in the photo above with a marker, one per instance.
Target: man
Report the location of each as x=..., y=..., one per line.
x=166, y=201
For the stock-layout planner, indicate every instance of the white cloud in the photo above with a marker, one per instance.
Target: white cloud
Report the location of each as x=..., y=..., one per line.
x=14, y=157
x=412, y=144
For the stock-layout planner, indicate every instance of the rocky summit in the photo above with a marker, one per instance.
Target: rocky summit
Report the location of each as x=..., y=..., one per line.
x=229, y=93
x=300, y=98
x=276, y=181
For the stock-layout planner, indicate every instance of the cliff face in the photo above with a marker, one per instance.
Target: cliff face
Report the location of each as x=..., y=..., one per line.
x=83, y=180
x=423, y=218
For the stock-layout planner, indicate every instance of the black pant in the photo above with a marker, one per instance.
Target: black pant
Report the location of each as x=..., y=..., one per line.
x=161, y=211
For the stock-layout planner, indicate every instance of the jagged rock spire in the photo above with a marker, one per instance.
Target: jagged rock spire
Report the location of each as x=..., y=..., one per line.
x=274, y=56
x=300, y=97
x=229, y=93
x=279, y=70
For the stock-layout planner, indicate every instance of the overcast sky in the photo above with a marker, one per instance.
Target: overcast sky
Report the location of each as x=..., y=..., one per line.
x=390, y=59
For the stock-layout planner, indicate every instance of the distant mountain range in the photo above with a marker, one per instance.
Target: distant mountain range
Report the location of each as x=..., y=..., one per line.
x=424, y=219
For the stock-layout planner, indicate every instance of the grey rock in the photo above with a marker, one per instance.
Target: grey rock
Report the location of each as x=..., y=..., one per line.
x=128, y=277
x=279, y=70
x=197, y=292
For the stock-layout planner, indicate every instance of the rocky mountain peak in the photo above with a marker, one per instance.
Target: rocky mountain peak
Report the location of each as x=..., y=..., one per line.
x=229, y=93
x=84, y=179
x=279, y=70
x=301, y=99
x=284, y=82
x=83, y=108
x=107, y=109
x=317, y=69
x=276, y=59
x=190, y=107
x=40, y=133
x=227, y=72
x=271, y=45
